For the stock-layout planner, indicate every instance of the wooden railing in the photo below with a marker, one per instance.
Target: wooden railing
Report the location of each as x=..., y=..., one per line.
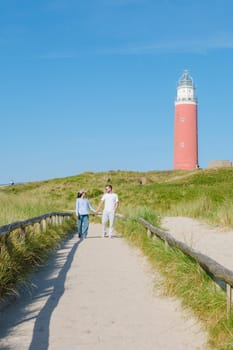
x=212, y=267
x=38, y=222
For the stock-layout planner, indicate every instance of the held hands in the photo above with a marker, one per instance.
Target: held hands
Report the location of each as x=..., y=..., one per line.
x=97, y=212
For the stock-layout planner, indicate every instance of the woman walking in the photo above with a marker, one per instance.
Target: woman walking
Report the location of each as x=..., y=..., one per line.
x=82, y=211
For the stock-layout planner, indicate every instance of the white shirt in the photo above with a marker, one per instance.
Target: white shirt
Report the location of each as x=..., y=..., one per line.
x=110, y=200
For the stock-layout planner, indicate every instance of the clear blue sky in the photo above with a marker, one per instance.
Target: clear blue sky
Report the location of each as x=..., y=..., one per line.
x=89, y=85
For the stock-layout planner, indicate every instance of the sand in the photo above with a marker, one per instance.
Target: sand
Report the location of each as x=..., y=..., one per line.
x=211, y=241
x=98, y=294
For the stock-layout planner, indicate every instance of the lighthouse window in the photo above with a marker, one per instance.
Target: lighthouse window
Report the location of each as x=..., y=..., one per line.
x=182, y=144
x=182, y=119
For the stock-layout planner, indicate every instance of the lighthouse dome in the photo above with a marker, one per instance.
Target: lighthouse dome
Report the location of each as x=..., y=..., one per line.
x=185, y=79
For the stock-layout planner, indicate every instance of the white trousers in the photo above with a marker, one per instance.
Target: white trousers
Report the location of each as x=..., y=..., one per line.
x=108, y=216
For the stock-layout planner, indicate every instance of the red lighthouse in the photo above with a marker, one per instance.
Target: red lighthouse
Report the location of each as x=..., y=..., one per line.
x=185, y=126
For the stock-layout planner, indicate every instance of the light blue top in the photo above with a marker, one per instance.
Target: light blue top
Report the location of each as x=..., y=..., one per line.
x=83, y=206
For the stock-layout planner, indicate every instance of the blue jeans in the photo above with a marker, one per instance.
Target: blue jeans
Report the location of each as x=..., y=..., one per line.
x=83, y=224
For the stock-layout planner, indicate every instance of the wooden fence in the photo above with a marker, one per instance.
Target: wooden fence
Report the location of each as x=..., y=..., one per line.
x=219, y=273
x=38, y=222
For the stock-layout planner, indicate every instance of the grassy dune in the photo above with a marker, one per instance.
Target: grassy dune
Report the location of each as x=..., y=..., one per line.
x=202, y=194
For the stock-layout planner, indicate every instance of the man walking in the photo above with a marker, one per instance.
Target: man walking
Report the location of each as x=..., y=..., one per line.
x=111, y=202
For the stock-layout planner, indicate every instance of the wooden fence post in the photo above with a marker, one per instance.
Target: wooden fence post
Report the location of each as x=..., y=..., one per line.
x=54, y=219
x=44, y=224
x=37, y=227
x=229, y=299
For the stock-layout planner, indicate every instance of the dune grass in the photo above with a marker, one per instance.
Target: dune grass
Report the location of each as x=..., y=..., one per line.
x=202, y=194
x=16, y=207
x=20, y=255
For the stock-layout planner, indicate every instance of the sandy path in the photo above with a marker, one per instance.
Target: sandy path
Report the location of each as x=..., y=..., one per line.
x=98, y=294
x=212, y=241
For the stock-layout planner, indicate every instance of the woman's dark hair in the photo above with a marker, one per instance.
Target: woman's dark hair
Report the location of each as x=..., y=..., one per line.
x=79, y=195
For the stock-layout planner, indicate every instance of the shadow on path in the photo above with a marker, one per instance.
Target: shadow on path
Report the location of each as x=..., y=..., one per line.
x=48, y=286
x=40, y=337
